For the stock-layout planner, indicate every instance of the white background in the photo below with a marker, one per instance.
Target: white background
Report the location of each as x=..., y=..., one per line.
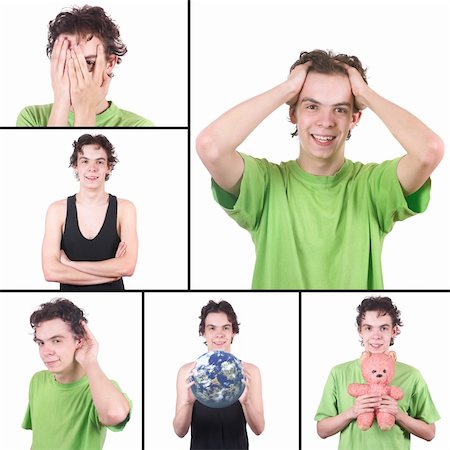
x=243, y=48
x=268, y=337
x=115, y=320
x=150, y=81
x=329, y=337
x=152, y=173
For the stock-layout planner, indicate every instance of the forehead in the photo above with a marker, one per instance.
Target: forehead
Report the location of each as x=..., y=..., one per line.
x=217, y=319
x=88, y=43
x=53, y=327
x=327, y=88
x=376, y=318
x=92, y=151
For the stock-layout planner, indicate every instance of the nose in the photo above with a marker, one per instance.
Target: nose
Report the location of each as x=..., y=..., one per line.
x=326, y=118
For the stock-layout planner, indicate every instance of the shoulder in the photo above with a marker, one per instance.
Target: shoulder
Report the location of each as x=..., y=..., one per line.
x=252, y=369
x=58, y=208
x=125, y=207
x=128, y=118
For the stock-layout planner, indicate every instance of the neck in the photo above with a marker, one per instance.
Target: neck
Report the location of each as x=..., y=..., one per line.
x=319, y=167
x=101, y=107
x=92, y=196
x=72, y=374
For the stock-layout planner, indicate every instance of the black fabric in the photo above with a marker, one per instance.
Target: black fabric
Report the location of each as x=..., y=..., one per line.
x=218, y=428
x=101, y=247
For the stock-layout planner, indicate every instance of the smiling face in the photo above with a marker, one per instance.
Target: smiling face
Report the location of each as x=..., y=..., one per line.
x=324, y=115
x=57, y=346
x=218, y=332
x=92, y=166
x=376, y=332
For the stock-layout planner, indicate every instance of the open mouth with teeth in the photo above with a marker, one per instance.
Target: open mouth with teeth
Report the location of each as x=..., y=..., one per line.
x=323, y=139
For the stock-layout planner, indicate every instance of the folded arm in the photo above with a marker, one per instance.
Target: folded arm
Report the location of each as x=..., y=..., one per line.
x=53, y=268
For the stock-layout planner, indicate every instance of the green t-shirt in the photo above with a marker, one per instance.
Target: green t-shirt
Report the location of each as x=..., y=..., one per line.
x=319, y=232
x=63, y=416
x=38, y=115
x=416, y=402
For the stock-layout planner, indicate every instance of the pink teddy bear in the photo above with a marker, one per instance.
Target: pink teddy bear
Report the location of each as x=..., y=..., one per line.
x=378, y=370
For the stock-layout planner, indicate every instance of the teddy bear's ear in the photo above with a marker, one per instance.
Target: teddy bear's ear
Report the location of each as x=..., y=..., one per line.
x=393, y=355
x=364, y=355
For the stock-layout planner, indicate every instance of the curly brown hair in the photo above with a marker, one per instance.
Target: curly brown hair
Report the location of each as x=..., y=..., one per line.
x=87, y=21
x=215, y=307
x=101, y=142
x=384, y=306
x=60, y=308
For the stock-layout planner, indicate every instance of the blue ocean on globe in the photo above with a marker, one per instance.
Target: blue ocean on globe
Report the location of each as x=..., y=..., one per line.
x=218, y=379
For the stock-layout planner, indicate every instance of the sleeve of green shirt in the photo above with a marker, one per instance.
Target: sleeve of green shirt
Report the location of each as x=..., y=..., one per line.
x=328, y=402
x=387, y=196
x=246, y=209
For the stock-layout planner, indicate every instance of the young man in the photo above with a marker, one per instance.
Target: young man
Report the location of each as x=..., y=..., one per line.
x=90, y=239
x=72, y=402
x=378, y=323
x=84, y=45
x=319, y=222
x=213, y=428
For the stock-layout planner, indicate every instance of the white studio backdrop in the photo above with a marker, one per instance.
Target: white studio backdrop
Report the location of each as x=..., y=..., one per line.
x=150, y=81
x=268, y=338
x=329, y=337
x=115, y=320
x=243, y=48
x=152, y=173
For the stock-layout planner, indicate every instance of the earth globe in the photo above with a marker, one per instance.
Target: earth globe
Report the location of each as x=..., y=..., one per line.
x=218, y=379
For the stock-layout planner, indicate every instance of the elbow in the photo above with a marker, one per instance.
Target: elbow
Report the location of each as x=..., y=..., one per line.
x=115, y=416
x=435, y=153
x=127, y=270
x=206, y=147
x=321, y=432
x=430, y=434
x=49, y=273
x=180, y=432
x=259, y=430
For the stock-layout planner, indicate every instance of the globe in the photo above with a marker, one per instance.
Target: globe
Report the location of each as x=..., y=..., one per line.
x=218, y=379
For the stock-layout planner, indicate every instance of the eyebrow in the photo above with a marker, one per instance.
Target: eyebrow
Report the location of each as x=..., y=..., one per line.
x=225, y=325
x=369, y=325
x=58, y=336
x=312, y=100
x=93, y=159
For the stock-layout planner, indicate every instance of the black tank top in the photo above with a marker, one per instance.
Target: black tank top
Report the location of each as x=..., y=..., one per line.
x=101, y=247
x=218, y=428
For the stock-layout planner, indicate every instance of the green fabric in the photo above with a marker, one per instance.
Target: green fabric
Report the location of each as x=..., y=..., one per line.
x=38, y=115
x=63, y=416
x=319, y=232
x=416, y=403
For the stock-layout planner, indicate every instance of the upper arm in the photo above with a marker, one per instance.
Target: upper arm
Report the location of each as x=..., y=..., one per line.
x=226, y=168
x=256, y=391
x=413, y=172
x=51, y=244
x=128, y=230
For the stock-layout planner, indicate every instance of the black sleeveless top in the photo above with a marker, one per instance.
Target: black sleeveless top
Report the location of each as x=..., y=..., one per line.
x=218, y=428
x=101, y=247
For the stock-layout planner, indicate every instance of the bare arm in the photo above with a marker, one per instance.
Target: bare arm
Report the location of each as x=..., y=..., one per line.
x=124, y=264
x=331, y=425
x=217, y=143
x=424, y=148
x=251, y=399
x=185, y=401
x=111, y=405
x=53, y=269
x=414, y=426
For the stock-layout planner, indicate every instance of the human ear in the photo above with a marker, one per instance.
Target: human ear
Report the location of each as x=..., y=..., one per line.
x=111, y=62
x=292, y=115
x=355, y=119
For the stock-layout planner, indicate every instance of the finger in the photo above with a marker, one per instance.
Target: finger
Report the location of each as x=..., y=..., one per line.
x=100, y=65
x=71, y=71
x=80, y=63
